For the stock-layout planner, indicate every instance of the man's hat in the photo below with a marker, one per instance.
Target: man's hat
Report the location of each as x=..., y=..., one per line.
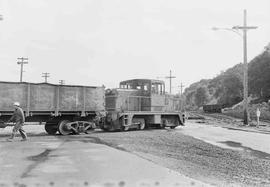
x=16, y=104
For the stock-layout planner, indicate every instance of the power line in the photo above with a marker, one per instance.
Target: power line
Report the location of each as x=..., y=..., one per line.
x=22, y=61
x=46, y=75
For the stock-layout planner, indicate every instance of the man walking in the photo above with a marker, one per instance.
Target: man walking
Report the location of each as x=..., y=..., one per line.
x=258, y=114
x=19, y=119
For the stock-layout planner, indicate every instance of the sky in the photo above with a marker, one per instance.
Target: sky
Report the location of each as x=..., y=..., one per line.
x=103, y=42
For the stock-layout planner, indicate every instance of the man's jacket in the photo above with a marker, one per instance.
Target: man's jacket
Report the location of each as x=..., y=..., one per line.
x=18, y=116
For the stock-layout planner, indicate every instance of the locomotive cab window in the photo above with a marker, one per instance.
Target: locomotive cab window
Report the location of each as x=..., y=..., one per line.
x=145, y=87
x=125, y=86
x=157, y=88
x=137, y=85
x=142, y=86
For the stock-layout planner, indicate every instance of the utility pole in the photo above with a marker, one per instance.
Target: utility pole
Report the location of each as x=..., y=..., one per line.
x=170, y=77
x=46, y=75
x=22, y=61
x=245, y=28
x=181, y=88
x=61, y=82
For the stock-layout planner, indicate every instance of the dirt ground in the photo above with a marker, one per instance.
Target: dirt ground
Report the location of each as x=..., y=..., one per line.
x=191, y=157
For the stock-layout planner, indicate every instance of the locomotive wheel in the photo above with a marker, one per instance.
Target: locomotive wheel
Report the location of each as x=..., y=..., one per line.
x=176, y=122
x=163, y=123
x=125, y=128
x=51, y=129
x=63, y=128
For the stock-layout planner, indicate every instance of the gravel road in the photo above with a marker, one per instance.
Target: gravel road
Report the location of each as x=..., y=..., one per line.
x=191, y=157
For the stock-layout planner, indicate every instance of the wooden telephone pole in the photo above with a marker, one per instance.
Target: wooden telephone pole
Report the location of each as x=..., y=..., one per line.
x=22, y=61
x=245, y=28
x=46, y=75
x=170, y=77
x=61, y=82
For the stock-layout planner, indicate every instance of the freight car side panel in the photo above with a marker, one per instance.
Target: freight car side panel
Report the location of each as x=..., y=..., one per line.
x=51, y=98
x=42, y=97
x=10, y=92
x=94, y=99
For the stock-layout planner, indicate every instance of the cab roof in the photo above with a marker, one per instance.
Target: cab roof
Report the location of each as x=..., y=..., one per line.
x=142, y=80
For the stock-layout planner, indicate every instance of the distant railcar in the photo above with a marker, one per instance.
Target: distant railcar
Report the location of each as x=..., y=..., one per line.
x=212, y=108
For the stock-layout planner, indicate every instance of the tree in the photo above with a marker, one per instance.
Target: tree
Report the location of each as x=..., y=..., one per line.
x=227, y=87
x=232, y=90
x=201, y=96
x=259, y=79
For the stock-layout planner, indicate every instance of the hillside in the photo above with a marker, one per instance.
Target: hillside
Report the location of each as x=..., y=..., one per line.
x=227, y=88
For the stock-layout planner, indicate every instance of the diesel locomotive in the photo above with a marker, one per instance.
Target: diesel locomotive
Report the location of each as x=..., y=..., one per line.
x=141, y=103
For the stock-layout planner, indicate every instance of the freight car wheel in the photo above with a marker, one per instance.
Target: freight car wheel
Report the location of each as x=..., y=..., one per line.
x=51, y=129
x=63, y=128
x=90, y=128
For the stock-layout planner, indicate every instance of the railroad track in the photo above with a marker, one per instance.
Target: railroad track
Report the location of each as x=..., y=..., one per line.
x=196, y=116
x=222, y=117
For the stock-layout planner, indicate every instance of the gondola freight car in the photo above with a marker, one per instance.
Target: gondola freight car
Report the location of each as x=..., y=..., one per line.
x=64, y=108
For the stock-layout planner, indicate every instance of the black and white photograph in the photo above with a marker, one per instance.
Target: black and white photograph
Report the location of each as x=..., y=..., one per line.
x=134, y=93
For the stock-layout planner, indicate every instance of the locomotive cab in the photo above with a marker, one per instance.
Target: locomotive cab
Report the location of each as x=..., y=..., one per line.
x=150, y=93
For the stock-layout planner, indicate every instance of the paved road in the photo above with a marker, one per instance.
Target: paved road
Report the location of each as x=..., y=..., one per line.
x=253, y=141
x=75, y=161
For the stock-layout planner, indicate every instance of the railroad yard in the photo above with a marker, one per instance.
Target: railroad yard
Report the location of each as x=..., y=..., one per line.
x=134, y=93
x=204, y=152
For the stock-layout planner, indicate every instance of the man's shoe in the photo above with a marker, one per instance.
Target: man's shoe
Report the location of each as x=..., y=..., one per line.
x=24, y=139
x=10, y=139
